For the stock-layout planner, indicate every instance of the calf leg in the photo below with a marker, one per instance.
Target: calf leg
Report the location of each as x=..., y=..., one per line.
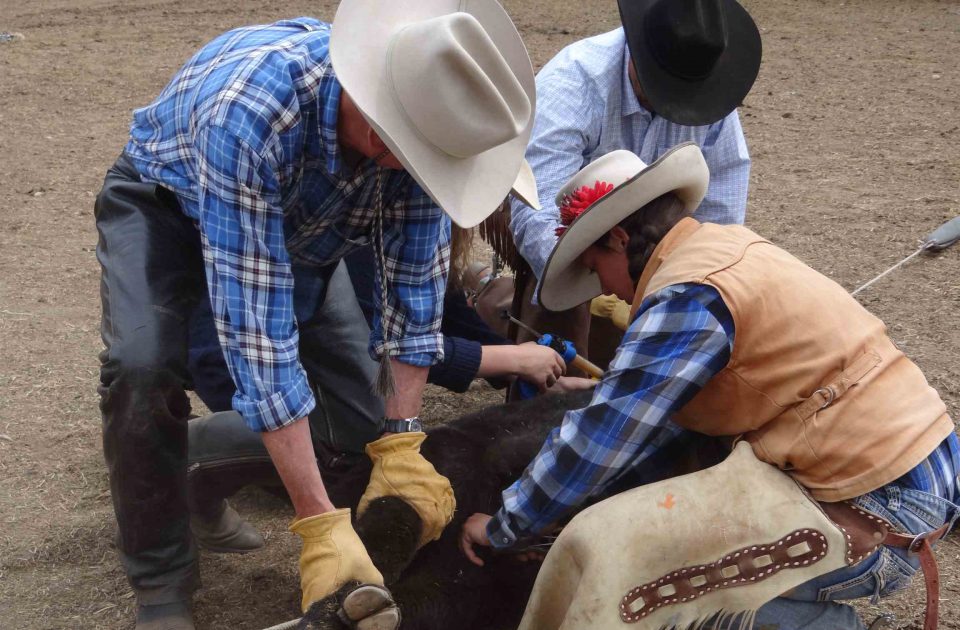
x=390, y=530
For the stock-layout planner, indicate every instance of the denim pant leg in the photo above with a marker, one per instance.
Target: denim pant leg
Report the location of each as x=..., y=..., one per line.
x=334, y=341
x=813, y=605
x=334, y=337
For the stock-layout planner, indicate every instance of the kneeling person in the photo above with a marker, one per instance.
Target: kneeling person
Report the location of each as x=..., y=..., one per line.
x=732, y=336
x=269, y=156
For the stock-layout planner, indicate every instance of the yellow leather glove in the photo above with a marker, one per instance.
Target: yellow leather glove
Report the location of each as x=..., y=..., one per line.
x=400, y=470
x=332, y=555
x=613, y=308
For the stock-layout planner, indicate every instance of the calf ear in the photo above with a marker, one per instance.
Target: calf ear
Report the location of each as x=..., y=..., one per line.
x=390, y=530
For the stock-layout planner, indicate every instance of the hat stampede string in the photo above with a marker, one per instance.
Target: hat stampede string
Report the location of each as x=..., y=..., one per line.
x=384, y=385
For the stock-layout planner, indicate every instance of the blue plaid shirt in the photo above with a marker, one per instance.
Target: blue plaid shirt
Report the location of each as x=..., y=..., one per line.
x=246, y=136
x=682, y=336
x=587, y=108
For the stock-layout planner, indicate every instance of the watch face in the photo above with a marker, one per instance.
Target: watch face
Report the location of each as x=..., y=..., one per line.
x=415, y=425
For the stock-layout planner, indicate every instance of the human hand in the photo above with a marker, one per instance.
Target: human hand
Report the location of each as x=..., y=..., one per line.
x=566, y=384
x=539, y=365
x=474, y=532
x=332, y=555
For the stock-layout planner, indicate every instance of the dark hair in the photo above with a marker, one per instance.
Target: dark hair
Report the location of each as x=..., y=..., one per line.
x=647, y=227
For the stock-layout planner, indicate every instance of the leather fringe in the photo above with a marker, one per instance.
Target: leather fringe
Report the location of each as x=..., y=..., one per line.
x=721, y=620
x=495, y=231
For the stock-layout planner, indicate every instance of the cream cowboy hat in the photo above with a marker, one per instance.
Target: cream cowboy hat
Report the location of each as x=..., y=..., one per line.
x=448, y=86
x=631, y=184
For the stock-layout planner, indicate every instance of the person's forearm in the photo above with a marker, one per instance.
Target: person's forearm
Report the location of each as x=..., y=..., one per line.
x=408, y=381
x=291, y=450
x=498, y=361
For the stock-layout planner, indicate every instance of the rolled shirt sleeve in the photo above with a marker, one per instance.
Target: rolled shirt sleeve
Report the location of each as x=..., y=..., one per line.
x=416, y=245
x=250, y=280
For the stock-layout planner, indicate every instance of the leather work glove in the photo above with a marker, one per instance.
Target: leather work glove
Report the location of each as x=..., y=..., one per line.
x=332, y=555
x=613, y=308
x=400, y=470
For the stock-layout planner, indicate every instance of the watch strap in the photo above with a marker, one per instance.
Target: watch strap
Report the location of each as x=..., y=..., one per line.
x=405, y=425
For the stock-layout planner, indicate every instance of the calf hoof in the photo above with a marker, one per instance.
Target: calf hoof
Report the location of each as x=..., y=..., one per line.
x=387, y=619
x=370, y=607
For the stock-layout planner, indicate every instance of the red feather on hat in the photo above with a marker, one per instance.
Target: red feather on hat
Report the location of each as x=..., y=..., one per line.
x=577, y=202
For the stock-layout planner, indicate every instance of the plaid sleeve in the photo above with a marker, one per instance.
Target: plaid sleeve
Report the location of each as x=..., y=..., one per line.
x=416, y=244
x=681, y=339
x=250, y=280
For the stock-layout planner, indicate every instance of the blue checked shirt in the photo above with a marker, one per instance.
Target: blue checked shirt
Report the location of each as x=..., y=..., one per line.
x=587, y=108
x=246, y=136
x=682, y=336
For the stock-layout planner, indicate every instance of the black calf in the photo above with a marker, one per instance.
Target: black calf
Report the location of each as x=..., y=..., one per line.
x=438, y=588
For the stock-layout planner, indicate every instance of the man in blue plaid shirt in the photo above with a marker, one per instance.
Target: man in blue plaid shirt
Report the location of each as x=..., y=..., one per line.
x=271, y=154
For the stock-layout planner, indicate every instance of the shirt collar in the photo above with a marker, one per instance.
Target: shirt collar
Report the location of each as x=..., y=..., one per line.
x=629, y=104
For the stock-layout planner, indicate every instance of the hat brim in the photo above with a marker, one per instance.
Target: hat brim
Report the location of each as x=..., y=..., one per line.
x=468, y=189
x=566, y=283
x=706, y=101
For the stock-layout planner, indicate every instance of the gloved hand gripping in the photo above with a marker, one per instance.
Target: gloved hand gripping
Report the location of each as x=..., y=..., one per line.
x=400, y=470
x=613, y=308
x=332, y=555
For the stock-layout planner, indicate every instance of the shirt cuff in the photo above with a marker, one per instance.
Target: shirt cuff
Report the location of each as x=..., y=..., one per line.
x=280, y=409
x=419, y=350
x=461, y=362
x=499, y=531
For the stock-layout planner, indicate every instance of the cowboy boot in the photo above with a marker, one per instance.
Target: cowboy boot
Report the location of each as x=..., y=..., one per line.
x=883, y=622
x=221, y=530
x=173, y=616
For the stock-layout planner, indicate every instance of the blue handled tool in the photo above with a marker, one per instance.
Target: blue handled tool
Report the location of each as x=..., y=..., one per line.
x=561, y=346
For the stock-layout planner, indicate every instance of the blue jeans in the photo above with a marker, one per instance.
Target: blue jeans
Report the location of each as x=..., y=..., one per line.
x=813, y=605
x=333, y=351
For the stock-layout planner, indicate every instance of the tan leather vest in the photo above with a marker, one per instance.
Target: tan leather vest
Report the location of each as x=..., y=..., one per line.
x=813, y=384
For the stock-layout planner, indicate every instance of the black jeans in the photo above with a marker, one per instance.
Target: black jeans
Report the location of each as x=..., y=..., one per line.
x=152, y=283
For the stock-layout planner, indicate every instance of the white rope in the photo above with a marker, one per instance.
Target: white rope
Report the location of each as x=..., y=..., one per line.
x=287, y=625
x=890, y=270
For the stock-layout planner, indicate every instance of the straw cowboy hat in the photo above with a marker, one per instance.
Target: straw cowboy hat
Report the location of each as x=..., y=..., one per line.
x=448, y=86
x=600, y=196
x=695, y=59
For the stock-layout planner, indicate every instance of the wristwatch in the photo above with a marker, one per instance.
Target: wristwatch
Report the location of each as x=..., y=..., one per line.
x=405, y=425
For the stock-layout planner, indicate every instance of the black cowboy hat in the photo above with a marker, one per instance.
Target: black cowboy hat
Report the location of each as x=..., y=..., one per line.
x=695, y=59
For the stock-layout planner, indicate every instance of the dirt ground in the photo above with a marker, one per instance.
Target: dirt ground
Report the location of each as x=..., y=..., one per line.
x=852, y=126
